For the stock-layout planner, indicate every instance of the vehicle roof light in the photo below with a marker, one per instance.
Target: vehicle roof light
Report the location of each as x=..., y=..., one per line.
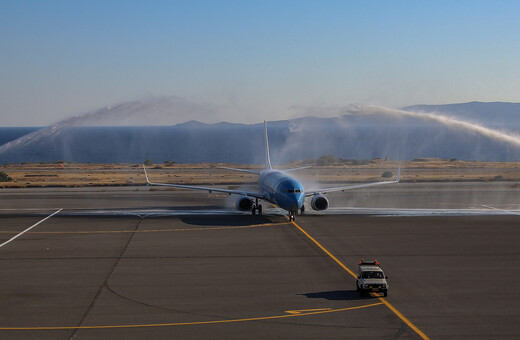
x=373, y=263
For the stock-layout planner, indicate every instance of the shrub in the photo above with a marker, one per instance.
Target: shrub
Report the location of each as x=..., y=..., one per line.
x=148, y=162
x=326, y=160
x=5, y=177
x=387, y=174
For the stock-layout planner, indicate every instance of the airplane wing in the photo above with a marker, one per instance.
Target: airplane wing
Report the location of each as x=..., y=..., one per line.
x=354, y=186
x=231, y=192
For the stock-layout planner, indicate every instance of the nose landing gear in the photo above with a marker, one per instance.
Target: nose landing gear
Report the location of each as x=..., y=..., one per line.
x=293, y=213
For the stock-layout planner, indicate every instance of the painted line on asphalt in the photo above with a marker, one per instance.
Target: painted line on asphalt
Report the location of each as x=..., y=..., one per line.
x=26, y=209
x=261, y=318
x=151, y=230
x=26, y=230
x=503, y=210
x=384, y=301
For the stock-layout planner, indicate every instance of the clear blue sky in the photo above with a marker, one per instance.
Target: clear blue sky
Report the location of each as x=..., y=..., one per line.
x=253, y=60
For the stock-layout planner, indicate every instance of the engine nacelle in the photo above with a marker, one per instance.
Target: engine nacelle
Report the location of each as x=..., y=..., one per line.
x=244, y=203
x=319, y=202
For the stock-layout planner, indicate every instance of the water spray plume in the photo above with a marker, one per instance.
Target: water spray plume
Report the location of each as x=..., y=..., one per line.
x=142, y=112
x=445, y=120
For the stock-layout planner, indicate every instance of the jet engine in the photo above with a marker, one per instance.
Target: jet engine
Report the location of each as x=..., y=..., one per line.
x=244, y=203
x=319, y=202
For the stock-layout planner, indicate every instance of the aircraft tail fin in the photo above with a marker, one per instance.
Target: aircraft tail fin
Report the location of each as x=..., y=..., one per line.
x=267, y=156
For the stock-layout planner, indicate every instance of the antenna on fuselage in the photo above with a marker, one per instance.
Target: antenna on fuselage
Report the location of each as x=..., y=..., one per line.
x=267, y=157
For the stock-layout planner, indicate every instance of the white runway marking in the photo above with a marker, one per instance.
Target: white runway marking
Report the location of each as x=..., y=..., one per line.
x=26, y=230
x=384, y=212
x=503, y=210
x=26, y=209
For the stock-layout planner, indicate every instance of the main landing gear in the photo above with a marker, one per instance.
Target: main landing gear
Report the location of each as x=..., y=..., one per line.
x=291, y=216
x=256, y=208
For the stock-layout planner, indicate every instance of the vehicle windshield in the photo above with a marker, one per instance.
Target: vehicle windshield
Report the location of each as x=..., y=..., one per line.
x=372, y=275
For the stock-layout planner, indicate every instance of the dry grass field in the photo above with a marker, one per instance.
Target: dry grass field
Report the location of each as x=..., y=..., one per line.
x=420, y=170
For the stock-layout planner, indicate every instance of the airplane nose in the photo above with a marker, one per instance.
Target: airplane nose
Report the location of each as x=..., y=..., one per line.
x=293, y=203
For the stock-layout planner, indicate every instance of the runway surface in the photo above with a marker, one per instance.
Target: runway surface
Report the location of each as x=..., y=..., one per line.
x=133, y=263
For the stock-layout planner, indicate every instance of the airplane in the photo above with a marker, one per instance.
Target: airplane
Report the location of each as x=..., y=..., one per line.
x=278, y=188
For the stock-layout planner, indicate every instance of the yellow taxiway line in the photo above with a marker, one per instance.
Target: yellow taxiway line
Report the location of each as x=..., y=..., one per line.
x=291, y=314
x=383, y=301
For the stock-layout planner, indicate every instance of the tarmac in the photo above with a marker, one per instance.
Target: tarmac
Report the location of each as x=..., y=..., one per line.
x=137, y=263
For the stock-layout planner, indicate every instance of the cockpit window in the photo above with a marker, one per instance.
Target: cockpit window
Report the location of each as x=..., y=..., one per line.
x=294, y=191
x=372, y=275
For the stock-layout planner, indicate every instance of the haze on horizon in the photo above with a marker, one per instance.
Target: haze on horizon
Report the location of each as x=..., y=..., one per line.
x=249, y=61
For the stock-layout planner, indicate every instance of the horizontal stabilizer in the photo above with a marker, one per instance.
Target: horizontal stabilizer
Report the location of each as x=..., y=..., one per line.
x=240, y=170
x=296, y=169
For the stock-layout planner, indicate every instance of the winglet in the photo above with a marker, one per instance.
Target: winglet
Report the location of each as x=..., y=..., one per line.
x=146, y=174
x=267, y=157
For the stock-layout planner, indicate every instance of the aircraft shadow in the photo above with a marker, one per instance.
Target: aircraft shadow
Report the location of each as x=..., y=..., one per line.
x=184, y=208
x=226, y=220
x=335, y=295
